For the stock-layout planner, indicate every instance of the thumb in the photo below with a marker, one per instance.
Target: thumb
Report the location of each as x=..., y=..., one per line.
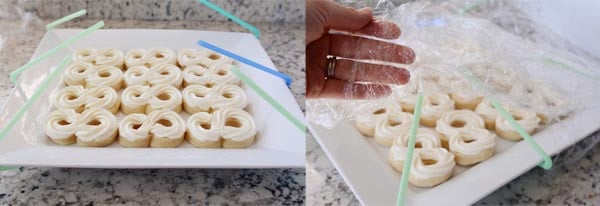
x=323, y=15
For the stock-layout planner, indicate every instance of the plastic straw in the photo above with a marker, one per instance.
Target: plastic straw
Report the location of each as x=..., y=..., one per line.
x=234, y=18
x=35, y=96
x=249, y=62
x=547, y=163
x=411, y=147
x=572, y=69
x=15, y=74
x=69, y=17
x=269, y=99
x=467, y=8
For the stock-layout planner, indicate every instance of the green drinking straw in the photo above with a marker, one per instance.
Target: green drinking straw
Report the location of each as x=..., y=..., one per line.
x=15, y=74
x=269, y=99
x=547, y=163
x=69, y=17
x=35, y=96
x=234, y=18
x=412, y=138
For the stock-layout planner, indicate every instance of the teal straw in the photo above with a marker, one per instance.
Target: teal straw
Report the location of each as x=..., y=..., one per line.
x=35, y=96
x=572, y=69
x=412, y=138
x=4, y=168
x=461, y=11
x=547, y=163
x=69, y=17
x=234, y=18
x=15, y=74
x=269, y=99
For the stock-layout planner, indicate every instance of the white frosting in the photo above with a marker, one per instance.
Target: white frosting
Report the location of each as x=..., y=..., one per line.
x=408, y=102
x=394, y=125
x=86, y=74
x=149, y=58
x=89, y=132
x=370, y=119
x=425, y=137
x=464, y=119
x=158, y=74
x=113, y=57
x=78, y=98
x=203, y=57
x=220, y=74
x=159, y=123
x=443, y=165
x=61, y=124
x=486, y=110
x=436, y=105
x=526, y=118
x=228, y=123
x=471, y=141
x=215, y=98
x=157, y=97
x=104, y=75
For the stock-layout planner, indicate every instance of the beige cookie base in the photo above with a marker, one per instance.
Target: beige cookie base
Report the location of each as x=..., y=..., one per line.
x=203, y=144
x=428, y=121
x=117, y=86
x=466, y=160
x=67, y=141
x=166, y=142
x=125, y=142
x=176, y=109
x=464, y=104
x=430, y=182
x=444, y=140
x=384, y=141
x=115, y=107
x=490, y=124
x=407, y=107
x=129, y=109
x=98, y=143
x=510, y=134
x=190, y=108
x=397, y=165
x=364, y=129
x=229, y=143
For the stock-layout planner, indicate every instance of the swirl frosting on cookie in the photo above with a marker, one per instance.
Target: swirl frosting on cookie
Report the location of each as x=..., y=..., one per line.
x=217, y=75
x=150, y=58
x=145, y=99
x=157, y=74
x=88, y=75
x=203, y=57
x=61, y=124
x=431, y=163
x=80, y=99
x=200, y=98
x=227, y=123
x=393, y=125
x=160, y=123
x=434, y=107
x=471, y=141
x=96, y=124
x=528, y=120
x=425, y=139
x=113, y=57
x=457, y=120
x=93, y=127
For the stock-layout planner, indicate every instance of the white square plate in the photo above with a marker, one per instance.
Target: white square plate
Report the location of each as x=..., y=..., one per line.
x=278, y=144
x=363, y=163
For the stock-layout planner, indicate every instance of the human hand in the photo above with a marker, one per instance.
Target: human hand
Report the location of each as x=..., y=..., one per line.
x=347, y=77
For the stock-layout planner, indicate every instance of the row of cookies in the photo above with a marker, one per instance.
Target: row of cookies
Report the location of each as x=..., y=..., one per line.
x=459, y=135
x=150, y=57
x=97, y=127
x=145, y=99
x=90, y=75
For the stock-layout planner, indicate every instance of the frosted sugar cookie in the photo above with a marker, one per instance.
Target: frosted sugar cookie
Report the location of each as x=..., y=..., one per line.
x=81, y=99
x=529, y=120
x=161, y=128
x=157, y=74
x=228, y=127
x=472, y=145
x=203, y=57
x=150, y=58
x=393, y=125
x=89, y=75
x=93, y=128
x=200, y=98
x=145, y=99
x=434, y=106
x=216, y=75
x=456, y=120
x=106, y=56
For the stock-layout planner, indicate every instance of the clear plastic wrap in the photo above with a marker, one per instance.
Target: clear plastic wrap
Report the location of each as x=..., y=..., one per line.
x=455, y=39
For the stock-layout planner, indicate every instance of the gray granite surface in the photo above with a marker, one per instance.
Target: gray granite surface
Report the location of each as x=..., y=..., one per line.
x=248, y=10
x=284, y=42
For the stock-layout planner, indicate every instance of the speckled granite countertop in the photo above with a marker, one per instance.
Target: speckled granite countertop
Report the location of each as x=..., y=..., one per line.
x=283, y=41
